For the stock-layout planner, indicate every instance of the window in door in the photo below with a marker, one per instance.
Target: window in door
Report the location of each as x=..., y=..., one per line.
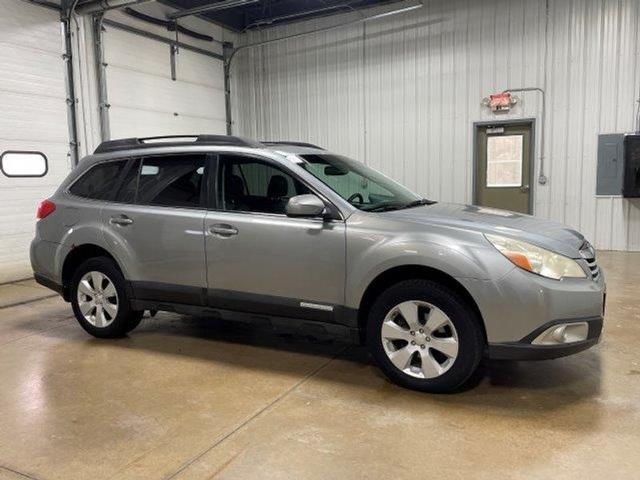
x=250, y=185
x=170, y=181
x=504, y=161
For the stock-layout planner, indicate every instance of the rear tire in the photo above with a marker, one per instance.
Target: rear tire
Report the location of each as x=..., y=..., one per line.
x=135, y=320
x=411, y=351
x=100, y=301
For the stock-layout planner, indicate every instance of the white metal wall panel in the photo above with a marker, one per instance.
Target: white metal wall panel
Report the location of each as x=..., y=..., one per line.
x=145, y=101
x=402, y=94
x=32, y=95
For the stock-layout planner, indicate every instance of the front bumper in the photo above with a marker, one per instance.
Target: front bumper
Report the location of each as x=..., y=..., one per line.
x=520, y=302
x=525, y=350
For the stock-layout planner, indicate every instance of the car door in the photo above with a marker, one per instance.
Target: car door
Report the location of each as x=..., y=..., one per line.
x=258, y=259
x=155, y=227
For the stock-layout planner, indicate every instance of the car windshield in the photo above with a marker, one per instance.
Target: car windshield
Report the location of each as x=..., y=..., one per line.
x=361, y=186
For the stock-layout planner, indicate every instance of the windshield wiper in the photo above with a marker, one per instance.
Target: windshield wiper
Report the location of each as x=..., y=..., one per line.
x=387, y=207
x=418, y=203
x=383, y=208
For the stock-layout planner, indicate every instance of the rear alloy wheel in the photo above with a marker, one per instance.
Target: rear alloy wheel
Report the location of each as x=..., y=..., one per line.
x=99, y=299
x=425, y=336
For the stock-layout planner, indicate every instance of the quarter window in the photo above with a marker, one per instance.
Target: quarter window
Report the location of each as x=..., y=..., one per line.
x=100, y=181
x=250, y=185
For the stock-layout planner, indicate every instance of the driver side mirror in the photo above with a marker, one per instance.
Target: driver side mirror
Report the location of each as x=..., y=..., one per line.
x=305, y=206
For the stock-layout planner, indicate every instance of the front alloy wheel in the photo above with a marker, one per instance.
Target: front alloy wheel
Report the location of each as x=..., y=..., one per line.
x=419, y=339
x=425, y=335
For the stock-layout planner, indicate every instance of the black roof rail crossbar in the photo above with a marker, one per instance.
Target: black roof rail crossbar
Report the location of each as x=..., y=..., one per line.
x=292, y=144
x=171, y=140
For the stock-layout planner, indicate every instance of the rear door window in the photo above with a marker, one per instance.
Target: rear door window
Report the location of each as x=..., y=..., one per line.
x=171, y=181
x=100, y=181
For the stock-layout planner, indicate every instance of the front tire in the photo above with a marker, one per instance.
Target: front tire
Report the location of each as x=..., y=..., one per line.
x=100, y=301
x=425, y=336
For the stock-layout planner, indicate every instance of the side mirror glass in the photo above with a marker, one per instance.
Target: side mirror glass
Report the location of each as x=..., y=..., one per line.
x=305, y=206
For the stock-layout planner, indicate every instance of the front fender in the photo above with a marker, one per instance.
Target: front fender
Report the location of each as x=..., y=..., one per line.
x=463, y=256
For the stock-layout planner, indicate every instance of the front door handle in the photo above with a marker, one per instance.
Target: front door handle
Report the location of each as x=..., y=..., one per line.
x=223, y=230
x=524, y=188
x=121, y=220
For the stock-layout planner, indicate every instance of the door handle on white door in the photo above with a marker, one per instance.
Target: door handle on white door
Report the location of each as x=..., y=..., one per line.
x=223, y=230
x=121, y=220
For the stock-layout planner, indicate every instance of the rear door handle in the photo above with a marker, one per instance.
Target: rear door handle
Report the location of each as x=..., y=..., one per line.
x=223, y=230
x=121, y=220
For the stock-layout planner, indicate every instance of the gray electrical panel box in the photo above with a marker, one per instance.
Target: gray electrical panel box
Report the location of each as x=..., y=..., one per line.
x=619, y=165
x=610, y=174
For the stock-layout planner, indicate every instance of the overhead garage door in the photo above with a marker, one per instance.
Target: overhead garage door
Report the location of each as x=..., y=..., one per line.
x=32, y=96
x=145, y=101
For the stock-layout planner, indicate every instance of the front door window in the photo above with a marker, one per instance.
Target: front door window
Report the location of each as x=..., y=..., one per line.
x=246, y=184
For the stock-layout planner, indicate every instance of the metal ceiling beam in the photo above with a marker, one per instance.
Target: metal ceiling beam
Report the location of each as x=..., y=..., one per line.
x=304, y=13
x=104, y=5
x=210, y=7
x=160, y=38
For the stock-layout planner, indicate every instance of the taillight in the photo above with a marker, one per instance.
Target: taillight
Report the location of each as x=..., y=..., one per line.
x=46, y=208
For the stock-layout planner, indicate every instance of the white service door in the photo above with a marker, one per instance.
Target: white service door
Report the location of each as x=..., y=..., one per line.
x=34, y=118
x=145, y=101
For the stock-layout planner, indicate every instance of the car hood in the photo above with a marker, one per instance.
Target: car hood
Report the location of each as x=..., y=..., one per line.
x=547, y=234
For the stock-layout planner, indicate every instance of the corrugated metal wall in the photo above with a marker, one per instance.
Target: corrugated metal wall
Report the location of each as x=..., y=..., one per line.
x=403, y=93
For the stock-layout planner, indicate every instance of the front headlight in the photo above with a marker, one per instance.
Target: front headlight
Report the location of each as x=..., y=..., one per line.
x=535, y=259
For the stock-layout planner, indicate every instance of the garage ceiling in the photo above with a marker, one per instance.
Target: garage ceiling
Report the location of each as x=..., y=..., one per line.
x=266, y=13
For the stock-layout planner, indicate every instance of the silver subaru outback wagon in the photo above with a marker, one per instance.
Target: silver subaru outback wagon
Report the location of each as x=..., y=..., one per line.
x=309, y=239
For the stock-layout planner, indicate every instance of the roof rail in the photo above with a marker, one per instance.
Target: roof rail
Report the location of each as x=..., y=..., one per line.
x=175, y=140
x=292, y=144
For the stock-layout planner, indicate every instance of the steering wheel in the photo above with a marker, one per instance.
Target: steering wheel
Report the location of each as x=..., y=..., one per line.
x=357, y=195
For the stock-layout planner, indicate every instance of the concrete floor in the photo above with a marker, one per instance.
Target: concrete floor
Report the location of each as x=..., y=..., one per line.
x=197, y=399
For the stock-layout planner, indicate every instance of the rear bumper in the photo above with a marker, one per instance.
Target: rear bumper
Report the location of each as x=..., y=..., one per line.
x=47, y=282
x=524, y=350
x=46, y=262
